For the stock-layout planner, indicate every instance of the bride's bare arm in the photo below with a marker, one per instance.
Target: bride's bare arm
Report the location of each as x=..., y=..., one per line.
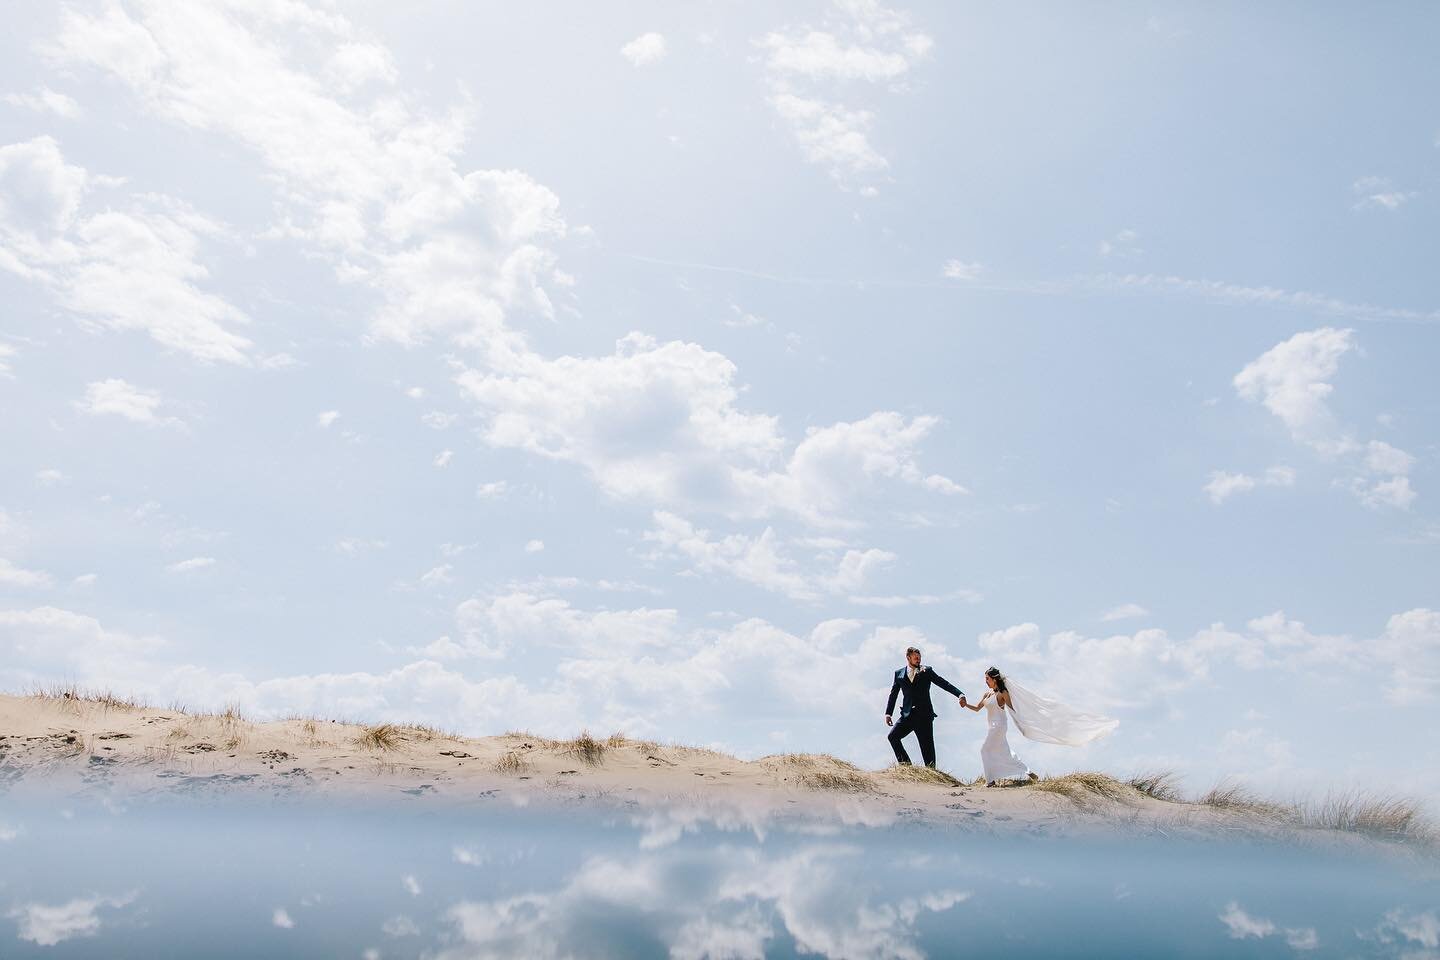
x=976, y=706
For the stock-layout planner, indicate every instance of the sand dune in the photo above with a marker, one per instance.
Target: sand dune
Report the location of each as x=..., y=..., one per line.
x=82, y=747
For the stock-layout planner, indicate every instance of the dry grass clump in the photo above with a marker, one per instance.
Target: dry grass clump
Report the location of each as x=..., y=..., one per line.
x=820, y=771
x=512, y=762
x=181, y=732
x=1086, y=786
x=1389, y=818
x=1232, y=797
x=927, y=775
x=73, y=694
x=383, y=736
x=1159, y=785
x=585, y=748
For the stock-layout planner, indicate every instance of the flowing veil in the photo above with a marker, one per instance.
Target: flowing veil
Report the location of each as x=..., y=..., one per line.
x=1050, y=721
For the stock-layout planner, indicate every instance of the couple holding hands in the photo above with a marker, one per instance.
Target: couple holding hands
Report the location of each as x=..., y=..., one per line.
x=1036, y=717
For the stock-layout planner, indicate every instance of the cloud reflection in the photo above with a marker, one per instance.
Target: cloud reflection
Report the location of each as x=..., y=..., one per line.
x=721, y=902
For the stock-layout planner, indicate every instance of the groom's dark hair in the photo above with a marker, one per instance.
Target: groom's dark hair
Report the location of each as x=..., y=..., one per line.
x=910, y=650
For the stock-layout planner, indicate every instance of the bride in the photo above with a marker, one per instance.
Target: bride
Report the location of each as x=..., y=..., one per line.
x=1036, y=717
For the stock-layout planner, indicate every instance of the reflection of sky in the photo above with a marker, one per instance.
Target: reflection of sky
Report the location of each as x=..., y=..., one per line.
x=245, y=881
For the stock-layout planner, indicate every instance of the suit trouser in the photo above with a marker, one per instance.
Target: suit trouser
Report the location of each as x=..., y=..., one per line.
x=924, y=730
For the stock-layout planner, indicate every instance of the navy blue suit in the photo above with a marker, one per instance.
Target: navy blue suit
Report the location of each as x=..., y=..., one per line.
x=917, y=713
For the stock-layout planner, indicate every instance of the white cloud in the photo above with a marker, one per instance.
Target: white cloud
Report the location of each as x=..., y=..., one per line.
x=411, y=884
x=1394, y=492
x=1378, y=193
x=1381, y=457
x=1243, y=926
x=46, y=925
x=12, y=575
x=443, y=458
x=659, y=423
x=281, y=918
x=50, y=477
x=1412, y=927
x=1125, y=611
x=438, y=576
x=534, y=546
x=764, y=560
x=645, y=49
x=1292, y=380
x=6, y=352
x=438, y=420
x=126, y=269
x=807, y=67
x=194, y=563
x=400, y=926
x=45, y=100
x=324, y=419
x=960, y=270
x=1222, y=485
x=1124, y=244
x=122, y=399
x=831, y=136
x=493, y=490
x=376, y=190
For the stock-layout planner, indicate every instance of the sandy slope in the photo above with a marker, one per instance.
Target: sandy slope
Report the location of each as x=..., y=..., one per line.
x=82, y=748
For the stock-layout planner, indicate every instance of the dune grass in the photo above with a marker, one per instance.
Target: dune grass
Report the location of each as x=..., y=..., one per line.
x=1159, y=785
x=584, y=748
x=1388, y=818
x=820, y=771
x=382, y=736
x=908, y=773
x=73, y=694
x=1085, y=786
x=512, y=762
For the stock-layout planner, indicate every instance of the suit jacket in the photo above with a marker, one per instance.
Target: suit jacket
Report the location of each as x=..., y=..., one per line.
x=917, y=694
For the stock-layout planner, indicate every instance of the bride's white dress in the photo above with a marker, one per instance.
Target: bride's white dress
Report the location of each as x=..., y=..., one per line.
x=999, y=760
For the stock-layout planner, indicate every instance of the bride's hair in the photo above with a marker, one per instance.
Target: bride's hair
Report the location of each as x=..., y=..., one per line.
x=999, y=678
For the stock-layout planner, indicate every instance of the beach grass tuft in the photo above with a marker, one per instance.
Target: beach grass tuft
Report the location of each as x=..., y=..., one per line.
x=820, y=771
x=585, y=748
x=383, y=736
x=1159, y=785
x=1083, y=787
x=927, y=775
x=512, y=762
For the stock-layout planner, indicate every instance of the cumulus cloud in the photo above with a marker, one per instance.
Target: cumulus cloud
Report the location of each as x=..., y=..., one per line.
x=1243, y=926
x=46, y=925
x=808, y=68
x=764, y=560
x=13, y=575
x=120, y=398
x=1292, y=381
x=1125, y=611
x=645, y=49
x=132, y=269
x=960, y=270
x=660, y=423
x=376, y=189
x=281, y=918
x=45, y=100
x=1222, y=485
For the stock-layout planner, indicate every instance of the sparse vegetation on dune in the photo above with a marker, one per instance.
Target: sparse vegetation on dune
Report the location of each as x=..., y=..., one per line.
x=913, y=774
x=512, y=762
x=1233, y=797
x=584, y=748
x=73, y=694
x=1159, y=785
x=1389, y=818
x=1085, y=787
x=820, y=771
x=383, y=736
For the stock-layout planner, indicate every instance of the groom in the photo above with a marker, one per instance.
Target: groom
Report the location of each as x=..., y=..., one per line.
x=916, y=714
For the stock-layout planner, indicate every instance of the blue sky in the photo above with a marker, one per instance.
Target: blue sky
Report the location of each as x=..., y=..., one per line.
x=671, y=369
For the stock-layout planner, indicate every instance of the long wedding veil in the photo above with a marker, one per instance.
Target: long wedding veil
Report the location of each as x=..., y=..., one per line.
x=1050, y=721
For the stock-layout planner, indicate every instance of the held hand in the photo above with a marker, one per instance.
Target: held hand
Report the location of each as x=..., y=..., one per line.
x=889, y=722
x=962, y=700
